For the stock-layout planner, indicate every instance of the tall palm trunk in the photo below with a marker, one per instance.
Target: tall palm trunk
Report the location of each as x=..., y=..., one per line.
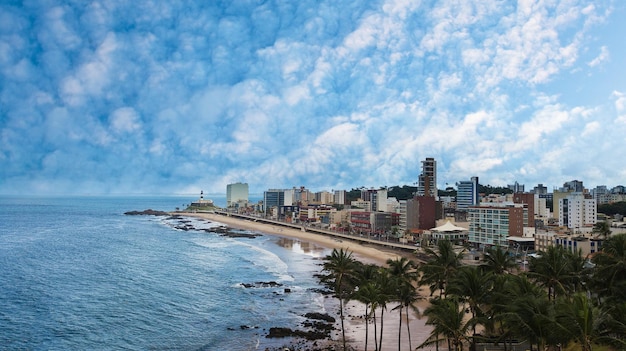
x=343, y=330
x=408, y=329
x=400, y=329
x=367, y=326
x=375, y=330
x=380, y=341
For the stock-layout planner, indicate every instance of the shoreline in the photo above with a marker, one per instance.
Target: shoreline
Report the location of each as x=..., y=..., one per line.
x=365, y=253
x=355, y=325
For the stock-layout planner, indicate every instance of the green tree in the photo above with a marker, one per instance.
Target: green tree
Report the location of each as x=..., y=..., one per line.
x=497, y=261
x=340, y=267
x=472, y=286
x=552, y=269
x=440, y=267
x=448, y=320
x=601, y=229
x=404, y=274
x=609, y=274
x=578, y=320
x=370, y=292
x=528, y=313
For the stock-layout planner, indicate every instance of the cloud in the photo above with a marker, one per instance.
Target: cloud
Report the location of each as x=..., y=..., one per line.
x=175, y=96
x=602, y=57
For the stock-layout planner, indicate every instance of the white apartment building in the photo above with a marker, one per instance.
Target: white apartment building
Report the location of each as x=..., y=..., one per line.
x=577, y=211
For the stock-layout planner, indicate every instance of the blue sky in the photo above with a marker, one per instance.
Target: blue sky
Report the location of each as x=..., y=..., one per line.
x=136, y=97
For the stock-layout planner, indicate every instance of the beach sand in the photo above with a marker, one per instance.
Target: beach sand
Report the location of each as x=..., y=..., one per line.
x=354, y=322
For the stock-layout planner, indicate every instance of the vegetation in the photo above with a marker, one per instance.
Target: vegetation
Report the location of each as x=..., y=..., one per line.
x=613, y=209
x=564, y=301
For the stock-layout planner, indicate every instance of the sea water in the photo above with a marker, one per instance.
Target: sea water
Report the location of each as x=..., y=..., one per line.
x=78, y=274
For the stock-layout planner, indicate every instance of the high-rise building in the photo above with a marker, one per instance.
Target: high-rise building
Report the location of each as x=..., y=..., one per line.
x=427, y=182
x=236, y=193
x=273, y=198
x=574, y=186
x=529, y=200
x=577, y=211
x=467, y=194
x=516, y=187
x=340, y=197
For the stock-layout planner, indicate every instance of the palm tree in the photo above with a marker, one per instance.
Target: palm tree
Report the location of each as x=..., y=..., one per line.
x=341, y=268
x=447, y=320
x=579, y=320
x=497, y=261
x=441, y=266
x=404, y=274
x=527, y=312
x=472, y=286
x=601, y=229
x=385, y=281
x=369, y=293
x=552, y=270
x=610, y=270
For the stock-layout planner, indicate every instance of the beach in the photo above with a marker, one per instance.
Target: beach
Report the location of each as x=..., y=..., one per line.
x=354, y=322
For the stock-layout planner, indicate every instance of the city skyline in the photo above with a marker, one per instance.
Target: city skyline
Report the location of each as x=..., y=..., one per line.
x=173, y=98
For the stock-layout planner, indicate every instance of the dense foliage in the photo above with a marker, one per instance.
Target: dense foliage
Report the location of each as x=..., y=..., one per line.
x=564, y=300
x=613, y=209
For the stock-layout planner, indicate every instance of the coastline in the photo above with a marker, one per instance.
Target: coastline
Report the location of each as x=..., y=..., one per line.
x=355, y=325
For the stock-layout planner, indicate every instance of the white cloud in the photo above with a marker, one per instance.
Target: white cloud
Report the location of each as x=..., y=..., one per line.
x=282, y=95
x=602, y=57
x=125, y=120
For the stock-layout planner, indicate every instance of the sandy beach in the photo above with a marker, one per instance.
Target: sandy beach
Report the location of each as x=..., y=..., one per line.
x=355, y=325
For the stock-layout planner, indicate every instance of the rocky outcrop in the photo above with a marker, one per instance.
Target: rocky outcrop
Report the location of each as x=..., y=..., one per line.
x=148, y=212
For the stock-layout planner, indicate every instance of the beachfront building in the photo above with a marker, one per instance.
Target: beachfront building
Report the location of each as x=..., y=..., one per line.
x=492, y=225
x=368, y=223
x=236, y=194
x=577, y=211
x=427, y=180
x=273, y=199
x=420, y=213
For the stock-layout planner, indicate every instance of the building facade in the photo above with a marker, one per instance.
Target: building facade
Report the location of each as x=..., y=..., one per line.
x=492, y=225
x=467, y=194
x=273, y=198
x=236, y=193
x=427, y=181
x=577, y=211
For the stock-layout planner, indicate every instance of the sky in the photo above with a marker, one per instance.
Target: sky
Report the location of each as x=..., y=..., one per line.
x=174, y=97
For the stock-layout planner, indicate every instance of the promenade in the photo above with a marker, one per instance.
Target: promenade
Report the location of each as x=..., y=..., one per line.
x=312, y=229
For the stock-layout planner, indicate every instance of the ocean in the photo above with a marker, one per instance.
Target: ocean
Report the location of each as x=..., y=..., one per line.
x=78, y=274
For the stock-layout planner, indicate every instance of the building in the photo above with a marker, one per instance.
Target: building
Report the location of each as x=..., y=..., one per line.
x=427, y=180
x=492, y=225
x=575, y=186
x=339, y=197
x=527, y=199
x=577, y=211
x=420, y=213
x=373, y=223
x=516, y=187
x=273, y=198
x=236, y=194
x=324, y=197
x=467, y=194
x=376, y=197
